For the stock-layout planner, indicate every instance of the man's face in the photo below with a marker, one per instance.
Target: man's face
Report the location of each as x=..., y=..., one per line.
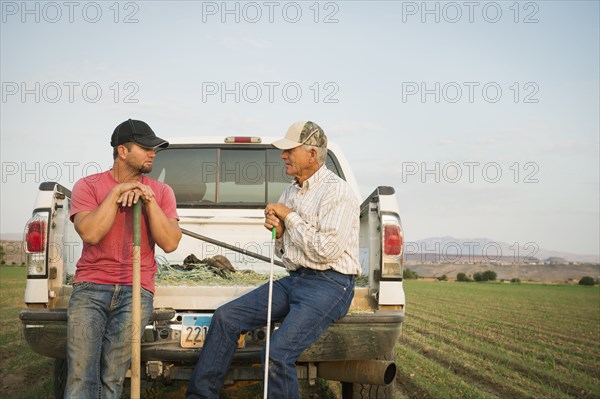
x=140, y=158
x=297, y=161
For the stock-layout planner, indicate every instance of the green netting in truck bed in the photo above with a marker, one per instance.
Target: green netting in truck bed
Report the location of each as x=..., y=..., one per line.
x=204, y=274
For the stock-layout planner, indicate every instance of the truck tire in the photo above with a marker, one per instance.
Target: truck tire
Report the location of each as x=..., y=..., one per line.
x=60, y=378
x=352, y=390
x=365, y=391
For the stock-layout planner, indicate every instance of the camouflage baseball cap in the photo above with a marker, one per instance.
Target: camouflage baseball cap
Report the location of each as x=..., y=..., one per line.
x=304, y=132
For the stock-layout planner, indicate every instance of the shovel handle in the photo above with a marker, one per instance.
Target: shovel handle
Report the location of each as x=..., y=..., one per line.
x=137, y=223
x=136, y=303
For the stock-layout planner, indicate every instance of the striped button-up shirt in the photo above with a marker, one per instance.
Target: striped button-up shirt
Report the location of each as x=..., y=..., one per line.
x=322, y=230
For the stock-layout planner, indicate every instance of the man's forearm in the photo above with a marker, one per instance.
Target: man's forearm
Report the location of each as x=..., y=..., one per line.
x=94, y=225
x=165, y=231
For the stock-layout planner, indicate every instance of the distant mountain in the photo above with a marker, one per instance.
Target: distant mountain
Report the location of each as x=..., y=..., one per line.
x=452, y=249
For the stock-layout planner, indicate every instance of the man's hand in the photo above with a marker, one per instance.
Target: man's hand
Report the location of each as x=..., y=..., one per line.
x=130, y=193
x=274, y=217
x=165, y=232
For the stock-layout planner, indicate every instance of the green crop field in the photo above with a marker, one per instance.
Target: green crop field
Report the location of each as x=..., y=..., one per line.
x=489, y=340
x=460, y=340
x=23, y=373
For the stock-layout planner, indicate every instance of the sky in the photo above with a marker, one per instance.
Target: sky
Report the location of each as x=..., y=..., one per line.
x=483, y=115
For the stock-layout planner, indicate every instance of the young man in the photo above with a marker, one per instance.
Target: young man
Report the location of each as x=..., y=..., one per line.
x=317, y=226
x=99, y=326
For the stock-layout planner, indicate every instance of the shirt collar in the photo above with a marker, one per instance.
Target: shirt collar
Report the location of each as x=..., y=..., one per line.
x=316, y=177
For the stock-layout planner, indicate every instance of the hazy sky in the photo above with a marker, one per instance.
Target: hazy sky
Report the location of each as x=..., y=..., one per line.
x=483, y=115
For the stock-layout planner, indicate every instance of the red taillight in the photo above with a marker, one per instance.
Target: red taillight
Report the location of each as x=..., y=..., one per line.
x=35, y=237
x=392, y=240
x=232, y=139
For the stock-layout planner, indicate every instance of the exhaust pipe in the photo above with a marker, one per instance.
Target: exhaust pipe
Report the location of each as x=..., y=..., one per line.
x=373, y=372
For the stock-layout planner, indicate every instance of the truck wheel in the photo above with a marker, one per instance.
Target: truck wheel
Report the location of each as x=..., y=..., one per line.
x=60, y=377
x=352, y=390
x=365, y=391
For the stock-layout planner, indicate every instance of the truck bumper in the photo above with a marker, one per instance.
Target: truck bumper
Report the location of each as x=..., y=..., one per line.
x=358, y=336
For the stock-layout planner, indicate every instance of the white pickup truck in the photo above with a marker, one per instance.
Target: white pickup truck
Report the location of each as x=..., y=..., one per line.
x=222, y=185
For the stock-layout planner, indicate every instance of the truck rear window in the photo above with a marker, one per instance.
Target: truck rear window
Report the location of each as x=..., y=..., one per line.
x=224, y=176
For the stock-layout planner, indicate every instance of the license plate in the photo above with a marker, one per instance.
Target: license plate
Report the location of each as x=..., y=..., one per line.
x=194, y=329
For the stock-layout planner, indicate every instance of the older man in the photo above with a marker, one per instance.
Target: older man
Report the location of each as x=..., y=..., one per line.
x=317, y=228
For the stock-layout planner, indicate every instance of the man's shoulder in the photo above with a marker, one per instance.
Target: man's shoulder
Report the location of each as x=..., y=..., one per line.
x=324, y=175
x=149, y=181
x=329, y=175
x=333, y=181
x=162, y=190
x=336, y=187
x=91, y=180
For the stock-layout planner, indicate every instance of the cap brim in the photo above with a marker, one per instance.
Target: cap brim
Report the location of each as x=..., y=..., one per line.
x=152, y=143
x=286, y=144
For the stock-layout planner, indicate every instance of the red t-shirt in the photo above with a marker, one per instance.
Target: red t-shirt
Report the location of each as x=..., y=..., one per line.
x=111, y=260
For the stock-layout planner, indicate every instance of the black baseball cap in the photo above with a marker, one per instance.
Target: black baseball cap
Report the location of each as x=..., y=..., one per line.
x=137, y=132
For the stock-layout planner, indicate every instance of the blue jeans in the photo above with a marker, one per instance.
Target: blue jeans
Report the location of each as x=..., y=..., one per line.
x=306, y=302
x=99, y=338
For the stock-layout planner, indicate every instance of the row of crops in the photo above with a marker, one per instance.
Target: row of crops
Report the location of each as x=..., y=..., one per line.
x=494, y=340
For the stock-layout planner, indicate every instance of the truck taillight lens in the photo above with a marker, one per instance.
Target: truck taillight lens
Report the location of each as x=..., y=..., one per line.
x=392, y=243
x=392, y=240
x=35, y=236
x=35, y=245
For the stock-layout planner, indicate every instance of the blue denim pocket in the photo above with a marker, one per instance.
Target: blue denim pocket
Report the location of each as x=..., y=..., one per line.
x=147, y=293
x=342, y=280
